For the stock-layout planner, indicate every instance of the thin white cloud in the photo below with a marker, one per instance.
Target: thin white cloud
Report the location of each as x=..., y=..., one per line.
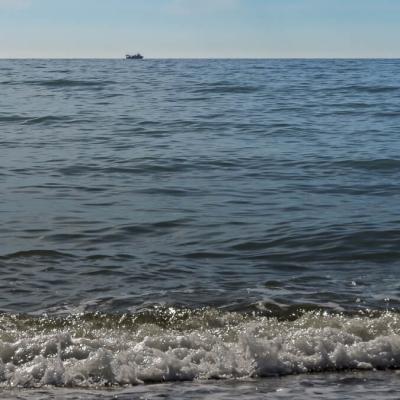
x=185, y=7
x=14, y=4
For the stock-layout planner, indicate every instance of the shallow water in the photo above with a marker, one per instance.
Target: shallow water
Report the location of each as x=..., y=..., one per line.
x=369, y=385
x=191, y=198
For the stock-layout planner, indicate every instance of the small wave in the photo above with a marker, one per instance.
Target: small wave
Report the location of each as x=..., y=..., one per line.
x=12, y=118
x=384, y=164
x=47, y=119
x=170, y=191
x=205, y=255
x=36, y=253
x=182, y=345
x=144, y=168
x=190, y=99
x=40, y=120
x=373, y=89
x=78, y=169
x=363, y=89
x=152, y=226
x=117, y=257
x=225, y=87
x=335, y=243
x=63, y=237
x=62, y=83
x=175, y=223
x=125, y=232
x=389, y=114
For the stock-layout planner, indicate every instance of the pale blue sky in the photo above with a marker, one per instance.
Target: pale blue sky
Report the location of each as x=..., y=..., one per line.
x=200, y=28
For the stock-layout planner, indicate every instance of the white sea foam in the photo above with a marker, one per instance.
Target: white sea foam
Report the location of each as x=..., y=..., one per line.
x=110, y=351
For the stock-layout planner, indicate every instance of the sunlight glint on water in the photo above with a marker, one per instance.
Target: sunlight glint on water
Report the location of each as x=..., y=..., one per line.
x=255, y=200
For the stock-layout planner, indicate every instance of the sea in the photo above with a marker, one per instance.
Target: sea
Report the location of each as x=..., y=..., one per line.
x=199, y=229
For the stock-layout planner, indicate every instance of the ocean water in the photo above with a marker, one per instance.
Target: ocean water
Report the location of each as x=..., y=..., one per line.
x=194, y=229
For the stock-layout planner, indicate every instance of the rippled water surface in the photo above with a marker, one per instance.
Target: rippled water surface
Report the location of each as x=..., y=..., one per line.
x=191, y=220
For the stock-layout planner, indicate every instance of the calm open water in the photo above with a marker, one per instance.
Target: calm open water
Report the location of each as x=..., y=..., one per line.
x=216, y=228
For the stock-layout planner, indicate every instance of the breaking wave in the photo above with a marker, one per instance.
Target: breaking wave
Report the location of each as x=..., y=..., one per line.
x=172, y=344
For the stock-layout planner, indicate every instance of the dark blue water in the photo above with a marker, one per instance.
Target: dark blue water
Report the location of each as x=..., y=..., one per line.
x=197, y=196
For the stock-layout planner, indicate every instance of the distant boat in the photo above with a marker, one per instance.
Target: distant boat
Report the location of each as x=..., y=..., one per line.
x=137, y=56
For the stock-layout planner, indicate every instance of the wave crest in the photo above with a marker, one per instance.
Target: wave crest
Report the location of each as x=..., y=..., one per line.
x=103, y=350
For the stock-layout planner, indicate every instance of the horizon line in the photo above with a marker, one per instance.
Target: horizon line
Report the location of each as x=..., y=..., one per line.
x=205, y=58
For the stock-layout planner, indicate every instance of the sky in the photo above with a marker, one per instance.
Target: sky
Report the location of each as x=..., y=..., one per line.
x=199, y=28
